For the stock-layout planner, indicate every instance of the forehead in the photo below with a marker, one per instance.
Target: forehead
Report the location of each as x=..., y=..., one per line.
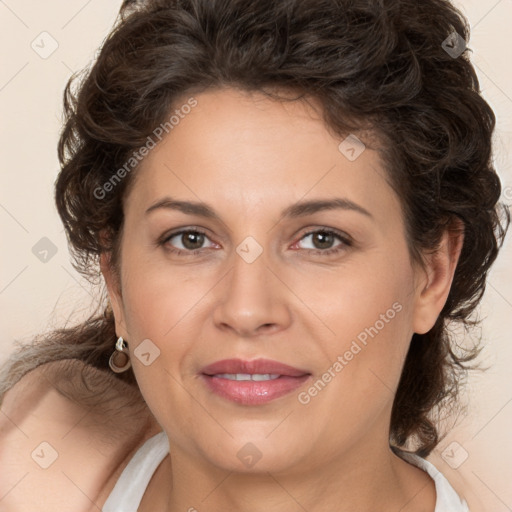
x=233, y=131
x=245, y=150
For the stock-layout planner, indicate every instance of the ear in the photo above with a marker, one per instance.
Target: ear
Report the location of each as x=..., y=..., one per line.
x=112, y=281
x=435, y=279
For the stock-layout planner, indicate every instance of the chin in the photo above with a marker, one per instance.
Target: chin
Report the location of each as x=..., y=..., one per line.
x=253, y=455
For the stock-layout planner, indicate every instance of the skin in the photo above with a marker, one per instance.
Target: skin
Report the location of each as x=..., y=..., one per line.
x=249, y=158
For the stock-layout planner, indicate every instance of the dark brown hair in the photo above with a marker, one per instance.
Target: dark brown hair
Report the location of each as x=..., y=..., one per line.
x=379, y=67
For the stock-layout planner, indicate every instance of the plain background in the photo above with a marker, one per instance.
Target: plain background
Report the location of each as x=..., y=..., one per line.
x=40, y=290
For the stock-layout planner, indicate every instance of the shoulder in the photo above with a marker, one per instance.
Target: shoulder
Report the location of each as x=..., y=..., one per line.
x=66, y=432
x=460, y=480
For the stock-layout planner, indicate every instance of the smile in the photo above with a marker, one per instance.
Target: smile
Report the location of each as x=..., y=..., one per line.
x=248, y=376
x=252, y=382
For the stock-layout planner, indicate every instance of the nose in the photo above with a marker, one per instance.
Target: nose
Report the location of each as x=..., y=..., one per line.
x=252, y=300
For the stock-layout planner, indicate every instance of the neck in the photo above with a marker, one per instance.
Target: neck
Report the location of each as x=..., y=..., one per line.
x=364, y=479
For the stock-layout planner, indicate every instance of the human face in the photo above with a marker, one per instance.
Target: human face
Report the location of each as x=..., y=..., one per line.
x=340, y=309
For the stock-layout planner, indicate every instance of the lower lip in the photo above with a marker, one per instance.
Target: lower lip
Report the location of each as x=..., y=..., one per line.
x=250, y=392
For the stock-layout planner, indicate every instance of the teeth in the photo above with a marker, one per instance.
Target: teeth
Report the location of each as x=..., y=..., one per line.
x=265, y=376
x=248, y=376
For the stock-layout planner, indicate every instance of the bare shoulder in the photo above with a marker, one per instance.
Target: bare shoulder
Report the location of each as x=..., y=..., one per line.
x=67, y=430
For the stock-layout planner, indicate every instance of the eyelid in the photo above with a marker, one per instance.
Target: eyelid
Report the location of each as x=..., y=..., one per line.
x=345, y=237
x=347, y=240
x=189, y=229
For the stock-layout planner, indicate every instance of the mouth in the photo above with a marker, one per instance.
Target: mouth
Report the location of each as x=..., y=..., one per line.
x=253, y=382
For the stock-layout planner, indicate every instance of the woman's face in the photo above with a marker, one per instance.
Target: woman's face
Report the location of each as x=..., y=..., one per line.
x=338, y=306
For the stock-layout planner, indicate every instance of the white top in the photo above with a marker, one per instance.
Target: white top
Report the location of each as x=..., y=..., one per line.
x=131, y=485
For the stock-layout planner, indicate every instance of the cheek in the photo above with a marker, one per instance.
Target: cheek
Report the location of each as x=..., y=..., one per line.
x=362, y=301
x=159, y=300
x=369, y=313
x=159, y=306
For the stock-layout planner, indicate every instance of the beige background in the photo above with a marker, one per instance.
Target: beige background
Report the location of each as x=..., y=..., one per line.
x=36, y=295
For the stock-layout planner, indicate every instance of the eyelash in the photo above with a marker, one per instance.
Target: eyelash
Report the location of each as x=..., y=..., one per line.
x=342, y=237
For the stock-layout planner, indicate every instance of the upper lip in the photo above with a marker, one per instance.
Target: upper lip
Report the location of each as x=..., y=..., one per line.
x=256, y=366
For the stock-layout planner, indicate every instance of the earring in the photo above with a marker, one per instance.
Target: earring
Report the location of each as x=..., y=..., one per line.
x=120, y=346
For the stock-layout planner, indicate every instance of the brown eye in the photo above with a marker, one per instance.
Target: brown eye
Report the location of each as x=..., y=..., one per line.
x=323, y=242
x=186, y=241
x=192, y=240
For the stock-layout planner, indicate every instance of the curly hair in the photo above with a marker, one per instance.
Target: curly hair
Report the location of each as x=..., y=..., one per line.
x=376, y=67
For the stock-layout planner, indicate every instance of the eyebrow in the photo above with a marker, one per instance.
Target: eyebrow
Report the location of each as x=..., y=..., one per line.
x=299, y=209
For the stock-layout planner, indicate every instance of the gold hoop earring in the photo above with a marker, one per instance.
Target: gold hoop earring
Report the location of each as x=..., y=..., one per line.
x=120, y=346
